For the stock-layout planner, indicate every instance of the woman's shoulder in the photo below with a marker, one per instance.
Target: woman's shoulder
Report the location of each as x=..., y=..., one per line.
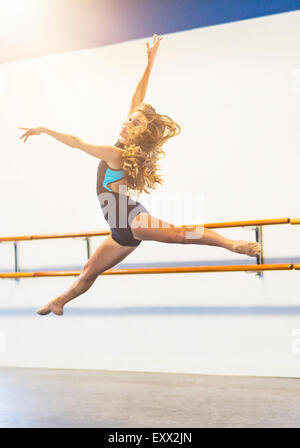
x=117, y=165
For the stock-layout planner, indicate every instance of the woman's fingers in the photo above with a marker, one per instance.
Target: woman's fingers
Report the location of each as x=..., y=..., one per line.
x=26, y=129
x=29, y=132
x=152, y=48
x=25, y=135
x=156, y=40
x=156, y=45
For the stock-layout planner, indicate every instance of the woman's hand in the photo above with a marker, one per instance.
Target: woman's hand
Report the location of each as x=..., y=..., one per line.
x=152, y=50
x=30, y=131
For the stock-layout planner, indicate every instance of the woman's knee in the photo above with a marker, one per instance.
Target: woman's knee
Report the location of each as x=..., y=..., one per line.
x=89, y=273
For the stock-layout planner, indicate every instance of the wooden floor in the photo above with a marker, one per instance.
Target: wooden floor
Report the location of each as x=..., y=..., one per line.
x=46, y=398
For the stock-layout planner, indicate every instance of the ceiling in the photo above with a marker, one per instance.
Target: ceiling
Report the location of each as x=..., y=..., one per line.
x=34, y=28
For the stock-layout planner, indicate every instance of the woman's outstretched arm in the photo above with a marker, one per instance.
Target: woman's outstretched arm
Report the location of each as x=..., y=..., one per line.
x=67, y=139
x=110, y=154
x=141, y=88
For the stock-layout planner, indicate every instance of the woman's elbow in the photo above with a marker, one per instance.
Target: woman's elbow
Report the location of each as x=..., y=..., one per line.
x=76, y=142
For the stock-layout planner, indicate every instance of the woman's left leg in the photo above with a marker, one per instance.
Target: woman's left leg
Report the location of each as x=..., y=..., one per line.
x=147, y=227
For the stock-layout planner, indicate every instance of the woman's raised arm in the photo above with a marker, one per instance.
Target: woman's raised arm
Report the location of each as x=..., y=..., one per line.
x=141, y=88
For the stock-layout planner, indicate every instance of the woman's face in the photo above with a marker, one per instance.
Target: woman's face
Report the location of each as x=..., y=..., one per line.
x=135, y=121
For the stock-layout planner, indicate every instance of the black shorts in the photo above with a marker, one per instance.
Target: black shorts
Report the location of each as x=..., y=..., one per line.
x=119, y=211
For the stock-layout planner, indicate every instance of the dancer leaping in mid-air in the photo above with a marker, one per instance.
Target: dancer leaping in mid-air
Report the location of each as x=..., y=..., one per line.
x=131, y=165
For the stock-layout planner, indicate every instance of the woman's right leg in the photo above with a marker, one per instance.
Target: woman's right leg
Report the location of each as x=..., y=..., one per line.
x=107, y=255
x=147, y=227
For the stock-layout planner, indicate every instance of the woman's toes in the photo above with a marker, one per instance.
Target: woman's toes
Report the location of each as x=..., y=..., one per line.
x=247, y=248
x=43, y=311
x=51, y=307
x=257, y=248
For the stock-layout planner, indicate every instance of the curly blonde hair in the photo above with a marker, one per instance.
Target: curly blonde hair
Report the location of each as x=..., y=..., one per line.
x=141, y=157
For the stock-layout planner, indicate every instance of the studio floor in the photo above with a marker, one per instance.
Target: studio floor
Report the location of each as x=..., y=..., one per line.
x=48, y=398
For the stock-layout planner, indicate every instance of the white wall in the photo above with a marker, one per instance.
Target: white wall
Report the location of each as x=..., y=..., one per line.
x=235, y=90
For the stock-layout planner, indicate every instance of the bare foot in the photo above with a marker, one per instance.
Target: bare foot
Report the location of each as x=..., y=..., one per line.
x=53, y=307
x=246, y=247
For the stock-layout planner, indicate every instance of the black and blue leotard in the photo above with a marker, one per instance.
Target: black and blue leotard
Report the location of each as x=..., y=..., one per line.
x=118, y=209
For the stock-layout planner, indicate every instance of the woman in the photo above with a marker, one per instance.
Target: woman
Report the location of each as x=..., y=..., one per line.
x=131, y=166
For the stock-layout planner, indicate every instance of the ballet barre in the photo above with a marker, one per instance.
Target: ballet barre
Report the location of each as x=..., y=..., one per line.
x=107, y=232
x=164, y=270
x=258, y=268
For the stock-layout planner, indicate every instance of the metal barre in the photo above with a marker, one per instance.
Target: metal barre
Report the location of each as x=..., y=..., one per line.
x=164, y=270
x=107, y=232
